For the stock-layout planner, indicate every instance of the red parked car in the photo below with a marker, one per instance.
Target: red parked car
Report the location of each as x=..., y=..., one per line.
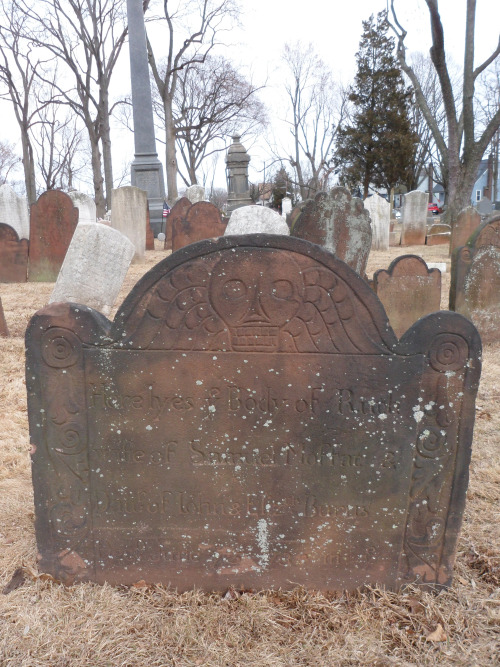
x=433, y=208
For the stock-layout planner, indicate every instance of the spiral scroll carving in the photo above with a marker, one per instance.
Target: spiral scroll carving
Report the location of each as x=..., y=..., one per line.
x=60, y=348
x=449, y=352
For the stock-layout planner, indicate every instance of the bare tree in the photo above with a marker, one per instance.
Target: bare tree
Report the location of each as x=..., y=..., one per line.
x=8, y=160
x=462, y=147
x=317, y=105
x=86, y=36
x=193, y=27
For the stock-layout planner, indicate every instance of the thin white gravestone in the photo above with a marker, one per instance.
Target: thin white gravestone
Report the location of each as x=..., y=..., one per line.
x=14, y=211
x=85, y=205
x=129, y=206
x=195, y=193
x=380, y=214
x=256, y=220
x=414, y=228
x=94, y=268
x=286, y=206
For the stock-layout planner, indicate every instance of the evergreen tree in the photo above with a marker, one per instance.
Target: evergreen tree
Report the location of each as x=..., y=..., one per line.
x=377, y=147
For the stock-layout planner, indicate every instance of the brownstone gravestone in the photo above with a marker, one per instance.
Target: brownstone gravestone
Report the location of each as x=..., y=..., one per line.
x=150, y=237
x=4, y=331
x=177, y=212
x=408, y=291
x=338, y=222
x=475, y=279
x=13, y=256
x=438, y=234
x=53, y=220
x=467, y=222
x=249, y=419
x=200, y=221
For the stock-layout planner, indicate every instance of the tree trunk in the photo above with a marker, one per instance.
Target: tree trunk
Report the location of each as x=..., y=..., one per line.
x=460, y=187
x=100, y=201
x=106, y=147
x=170, y=151
x=29, y=168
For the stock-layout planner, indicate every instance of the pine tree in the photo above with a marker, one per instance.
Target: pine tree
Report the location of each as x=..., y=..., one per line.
x=377, y=147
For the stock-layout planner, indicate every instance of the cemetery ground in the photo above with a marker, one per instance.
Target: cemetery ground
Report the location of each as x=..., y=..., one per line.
x=45, y=623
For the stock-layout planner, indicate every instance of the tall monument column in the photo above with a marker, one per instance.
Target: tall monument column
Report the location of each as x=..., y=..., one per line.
x=146, y=169
x=238, y=189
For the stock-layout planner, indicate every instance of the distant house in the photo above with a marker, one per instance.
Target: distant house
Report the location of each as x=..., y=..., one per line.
x=483, y=187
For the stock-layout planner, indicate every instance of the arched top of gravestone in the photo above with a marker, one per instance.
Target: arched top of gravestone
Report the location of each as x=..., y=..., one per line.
x=406, y=265
x=488, y=233
x=256, y=293
x=8, y=233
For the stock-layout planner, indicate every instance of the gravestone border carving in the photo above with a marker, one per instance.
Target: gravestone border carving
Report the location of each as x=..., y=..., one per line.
x=60, y=335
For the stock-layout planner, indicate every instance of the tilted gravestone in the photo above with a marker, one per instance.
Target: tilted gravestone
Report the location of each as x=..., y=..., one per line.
x=200, y=221
x=94, y=268
x=4, y=331
x=14, y=211
x=380, y=214
x=85, y=205
x=256, y=220
x=414, y=218
x=467, y=222
x=13, y=256
x=475, y=279
x=177, y=213
x=339, y=223
x=438, y=234
x=53, y=219
x=129, y=216
x=408, y=290
x=250, y=420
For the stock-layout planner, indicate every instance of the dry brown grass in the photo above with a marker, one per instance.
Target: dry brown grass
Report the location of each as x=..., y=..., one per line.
x=44, y=623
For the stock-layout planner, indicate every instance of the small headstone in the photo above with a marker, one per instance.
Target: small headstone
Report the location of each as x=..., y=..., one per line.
x=293, y=216
x=13, y=256
x=249, y=420
x=439, y=234
x=129, y=207
x=340, y=223
x=475, y=279
x=467, y=222
x=85, y=205
x=408, y=291
x=14, y=211
x=53, y=219
x=414, y=218
x=395, y=237
x=4, y=331
x=161, y=236
x=150, y=237
x=201, y=221
x=256, y=220
x=94, y=268
x=380, y=214
x=176, y=215
x=484, y=207
x=195, y=193
x=286, y=206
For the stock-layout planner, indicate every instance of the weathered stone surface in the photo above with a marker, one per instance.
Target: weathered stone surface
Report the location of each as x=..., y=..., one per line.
x=14, y=211
x=395, y=237
x=200, y=221
x=380, y=214
x=53, y=219
x=439, y=234
x=339, y=223
x=249, y=419
x=13, y=256
x=129, y=216
x=484, y=206
x=150, y=237
x=293, y=216
x=286, y=206
x=85, y=205
x=467, y=222
x=177, y=213
x=414, y=218
x=4, y=331
x=256, y=220
x=195, y=194
x=475, y=279
x=94, y=268
x=408, y=291
x=439, y=228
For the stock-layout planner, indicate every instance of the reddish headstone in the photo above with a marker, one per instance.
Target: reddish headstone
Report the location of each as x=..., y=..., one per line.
x=464, y=226
x=4, y=331
x=408, y=291
x=438, y=234
x=53, y=220
x=250, y=420
x=13, y=256
x=177, y=212
x=150, y=237
x=201, y=221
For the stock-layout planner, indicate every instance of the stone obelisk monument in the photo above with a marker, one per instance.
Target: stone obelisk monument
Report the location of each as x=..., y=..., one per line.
x=146, y=170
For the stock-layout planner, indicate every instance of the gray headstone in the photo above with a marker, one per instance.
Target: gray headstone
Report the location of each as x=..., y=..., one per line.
x=256, y=220
x=414, y=218
x=85, y=205
x=161, y=236
x=467, y=222
x=14, y=211
x=94, y=268
x=129, y=214
x=286, y=206
x=484, y=206
x=195, y=193
x=380, y=214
